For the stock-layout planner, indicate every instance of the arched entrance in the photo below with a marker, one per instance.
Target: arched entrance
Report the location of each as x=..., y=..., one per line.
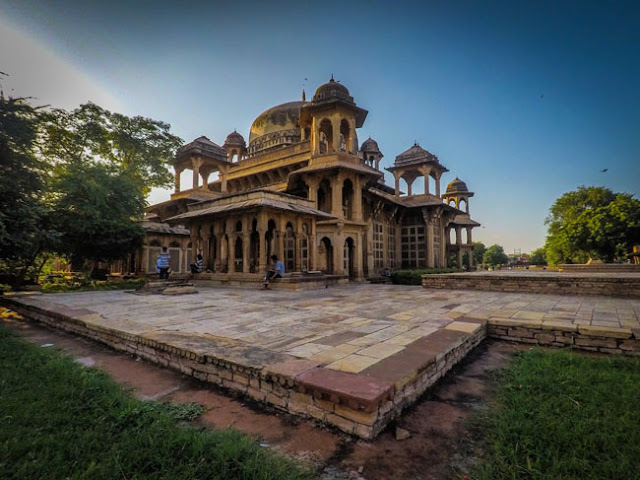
x=325, y=256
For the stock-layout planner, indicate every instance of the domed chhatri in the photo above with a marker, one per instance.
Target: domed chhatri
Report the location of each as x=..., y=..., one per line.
x=370, y=146
x=234, y=139
x=332, y=91
x=457, y=186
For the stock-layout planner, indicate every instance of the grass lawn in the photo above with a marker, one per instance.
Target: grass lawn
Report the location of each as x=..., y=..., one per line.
x=59, y=420
x=562, y=415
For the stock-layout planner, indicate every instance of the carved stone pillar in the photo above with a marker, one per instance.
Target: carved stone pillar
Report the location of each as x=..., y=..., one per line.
x=357, y=199
x=336, y=197
x=177, y=179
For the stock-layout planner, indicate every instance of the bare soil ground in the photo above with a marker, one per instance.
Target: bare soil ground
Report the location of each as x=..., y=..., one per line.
x=438, y=443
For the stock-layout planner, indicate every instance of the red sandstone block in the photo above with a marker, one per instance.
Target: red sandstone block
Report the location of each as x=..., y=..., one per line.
x=367, y=391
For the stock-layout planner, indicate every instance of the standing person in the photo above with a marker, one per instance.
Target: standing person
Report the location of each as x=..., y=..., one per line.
x=196, y=267
x=276, y=272
x=163, y=263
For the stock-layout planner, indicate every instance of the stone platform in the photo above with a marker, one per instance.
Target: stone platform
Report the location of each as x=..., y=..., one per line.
x=618, y=284
x=353, y=357
x=293, y=281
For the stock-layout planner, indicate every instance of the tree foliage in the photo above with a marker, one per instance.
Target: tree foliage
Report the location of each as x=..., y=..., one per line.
x=74, y=183
x=137, y=147
x=22, y=213
x=592, y=222
x=94, y=209
x=538, y=257
x=494, y=255
x=478, y=252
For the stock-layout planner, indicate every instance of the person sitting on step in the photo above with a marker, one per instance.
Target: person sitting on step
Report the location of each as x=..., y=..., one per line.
x=196, y=267
x=276, y=272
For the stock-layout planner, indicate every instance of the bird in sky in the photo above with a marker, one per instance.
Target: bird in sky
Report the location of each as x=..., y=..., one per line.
x=604, y=170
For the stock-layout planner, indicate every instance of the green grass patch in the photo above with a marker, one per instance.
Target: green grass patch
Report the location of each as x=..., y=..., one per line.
x=414, y=277
x=79, y=283
x=59, y=420
x=562, y=415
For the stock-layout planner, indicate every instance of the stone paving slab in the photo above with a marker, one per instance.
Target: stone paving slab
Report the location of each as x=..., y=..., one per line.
x=329, y=353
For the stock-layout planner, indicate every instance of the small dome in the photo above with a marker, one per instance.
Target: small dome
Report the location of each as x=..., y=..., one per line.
x=457, y=186
x=370, y=146
x=234, y=139
x=332, y=91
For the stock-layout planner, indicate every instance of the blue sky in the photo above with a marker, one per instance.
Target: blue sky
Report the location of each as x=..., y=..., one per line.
x=522, y=100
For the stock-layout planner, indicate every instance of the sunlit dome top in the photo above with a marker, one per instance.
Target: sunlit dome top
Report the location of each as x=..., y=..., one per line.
x=332, y=91
x=457, y=186
x=275, y=127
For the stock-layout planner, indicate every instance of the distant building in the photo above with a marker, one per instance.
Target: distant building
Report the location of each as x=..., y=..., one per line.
x=306, y=190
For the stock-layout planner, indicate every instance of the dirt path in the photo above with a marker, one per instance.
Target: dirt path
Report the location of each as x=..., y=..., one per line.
x=436, y=424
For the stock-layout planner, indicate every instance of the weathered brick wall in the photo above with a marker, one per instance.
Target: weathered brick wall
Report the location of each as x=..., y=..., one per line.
x=619, y=342
x=551, y=283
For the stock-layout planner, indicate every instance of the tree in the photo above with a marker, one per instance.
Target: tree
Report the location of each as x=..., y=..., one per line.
x=22, y=214
x=137, y=147
x=592, y=222
x=478, y=252
x=538, y=257
x=104, y=165
x=95, y=210
x=495, y=256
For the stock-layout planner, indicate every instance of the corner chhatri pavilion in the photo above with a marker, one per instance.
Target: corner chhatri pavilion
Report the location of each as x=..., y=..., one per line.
x=305, y=190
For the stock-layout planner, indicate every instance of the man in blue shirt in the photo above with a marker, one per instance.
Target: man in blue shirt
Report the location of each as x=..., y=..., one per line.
x=276, y=272
x=163, y=263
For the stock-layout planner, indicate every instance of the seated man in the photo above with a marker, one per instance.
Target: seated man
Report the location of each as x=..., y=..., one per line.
x=276, y=272
x=196, y=267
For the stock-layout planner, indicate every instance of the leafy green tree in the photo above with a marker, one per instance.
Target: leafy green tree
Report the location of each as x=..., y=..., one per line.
x=104, y=166
x=95, y=210
x=478, y=252
x=494, y=256
x=138, y=147
x=23, y=230
x=592, y=222
x=538, y=257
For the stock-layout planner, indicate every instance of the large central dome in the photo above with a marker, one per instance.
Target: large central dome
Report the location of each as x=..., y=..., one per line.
x=273, y=125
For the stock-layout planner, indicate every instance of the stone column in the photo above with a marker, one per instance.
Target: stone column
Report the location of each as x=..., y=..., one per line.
x=262, y=232
x=312, y=244
x=282, y=230
x=217, y=266
x=312, y=183
x=196, y=162
x=335, y=144
x=438, y=185
x=297, y=262
x=357, y=199
x=232, y=252
x=430, y=242
x=470, y=258
x=469, y=239
x=177, y=179
x=246, y=244
x=336, y=197
x=358, y=260
x=397, y=178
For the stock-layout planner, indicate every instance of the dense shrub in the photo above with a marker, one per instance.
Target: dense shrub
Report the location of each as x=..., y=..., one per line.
x=414, y=277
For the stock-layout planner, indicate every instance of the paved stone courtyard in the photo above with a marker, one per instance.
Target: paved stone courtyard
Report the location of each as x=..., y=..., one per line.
x=347, y=328
x=353, y=356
